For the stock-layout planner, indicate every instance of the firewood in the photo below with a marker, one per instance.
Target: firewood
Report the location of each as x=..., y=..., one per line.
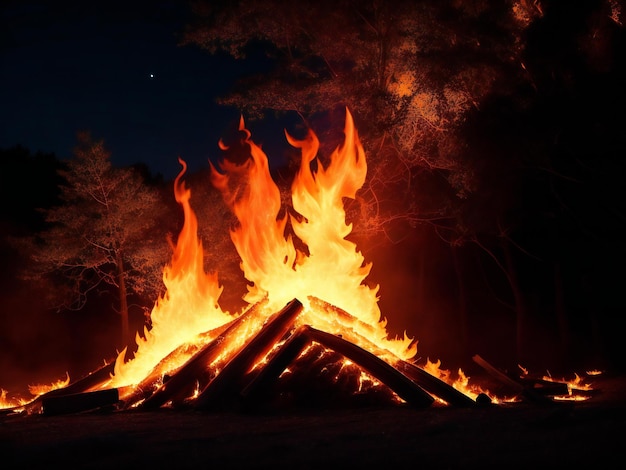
x=428, y=382
x=527, y=393
x=226, y=384
x=182, y=383
x=434, y=385
x=83, y=384
x=79, y=402
x=404, y=387
x=153, y=380
x=513, y=385
x=258, y=388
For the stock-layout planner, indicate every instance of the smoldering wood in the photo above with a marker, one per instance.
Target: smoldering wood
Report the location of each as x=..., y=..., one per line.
x=546, y=387
x=504, y=379
x=228, y=382
x=83, y=384
x=182, y=383
x=79, y=402
x=259, y=388
x=516, y=387
x=428, y=382
x=434, y=385
x=404, y=387
x=154, y=379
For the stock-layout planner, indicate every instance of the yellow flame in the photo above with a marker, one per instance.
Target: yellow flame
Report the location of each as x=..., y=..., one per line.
x=332, y=269
x=40, y=389
x=188, y=308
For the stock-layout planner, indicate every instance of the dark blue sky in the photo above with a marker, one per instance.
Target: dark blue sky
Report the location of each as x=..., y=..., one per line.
x=114, y=69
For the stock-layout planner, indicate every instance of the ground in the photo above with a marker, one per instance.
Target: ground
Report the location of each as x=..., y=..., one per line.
x=520, y=435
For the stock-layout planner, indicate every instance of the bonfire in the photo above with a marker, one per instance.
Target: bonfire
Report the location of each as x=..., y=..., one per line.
x=309, y=312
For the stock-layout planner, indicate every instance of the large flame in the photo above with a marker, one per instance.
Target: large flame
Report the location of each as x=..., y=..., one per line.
x=188, y=308
x=332, y=270
x=324, y=271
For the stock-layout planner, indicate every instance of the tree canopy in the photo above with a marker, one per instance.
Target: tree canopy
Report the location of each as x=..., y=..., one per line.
x=105, y=232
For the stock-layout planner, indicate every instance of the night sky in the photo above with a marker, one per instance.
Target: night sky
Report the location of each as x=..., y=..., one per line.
x=114, y=69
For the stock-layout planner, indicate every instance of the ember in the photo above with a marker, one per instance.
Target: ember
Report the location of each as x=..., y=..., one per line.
x=307, y=311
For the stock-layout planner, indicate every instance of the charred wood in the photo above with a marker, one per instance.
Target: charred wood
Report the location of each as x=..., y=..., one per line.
x=79, y=402
x=227, y=384
x=161, y=371
x=259, y=388
x=81, y=385
x=196, y=370
x=404, y=387
x=434, y=385
x=428, y=382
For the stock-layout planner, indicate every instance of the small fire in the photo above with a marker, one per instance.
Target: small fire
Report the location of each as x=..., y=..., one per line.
x=35, y=390
x=40, y=389
x=7, y=402
x=574, y=388
x=461, y=382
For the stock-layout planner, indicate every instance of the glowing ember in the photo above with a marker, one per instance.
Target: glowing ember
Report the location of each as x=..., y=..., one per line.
x=40, y=389
x=461, y=383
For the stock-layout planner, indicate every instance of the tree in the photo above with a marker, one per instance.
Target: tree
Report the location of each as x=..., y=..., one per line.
x=409, y=71
x=473, y=114
x=104, y=233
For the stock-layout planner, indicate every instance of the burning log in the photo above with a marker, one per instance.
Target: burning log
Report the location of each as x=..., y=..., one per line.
x=527, y=392
x=303, y=336
x=546, y=387
x=513, y=385
x=79, y=402
x=398, y=382
x=231, y=375
x=258, y=387
x=434, y=385
x=87, y=382
x=153, y=381
x=428, y=382
x=82, y=385
x=180, y=384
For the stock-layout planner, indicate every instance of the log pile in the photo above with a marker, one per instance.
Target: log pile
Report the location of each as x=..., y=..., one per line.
x=267, y=363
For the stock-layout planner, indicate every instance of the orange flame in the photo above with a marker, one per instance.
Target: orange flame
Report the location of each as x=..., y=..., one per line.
x=333, y=269
x=188, y=308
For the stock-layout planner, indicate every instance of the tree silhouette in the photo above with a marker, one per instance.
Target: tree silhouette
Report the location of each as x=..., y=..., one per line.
x=478, y=118
x=409, y=71
x=106, y=232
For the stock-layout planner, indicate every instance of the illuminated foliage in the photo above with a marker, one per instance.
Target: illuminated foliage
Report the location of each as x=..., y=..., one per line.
x=104, y=232
x=410, y=71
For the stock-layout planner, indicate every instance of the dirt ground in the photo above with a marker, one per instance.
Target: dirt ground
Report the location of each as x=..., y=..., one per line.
x=520, y=435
